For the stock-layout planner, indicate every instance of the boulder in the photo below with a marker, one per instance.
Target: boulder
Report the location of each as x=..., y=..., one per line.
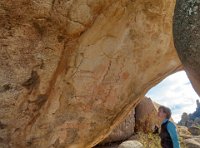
x=131, y=144
x=72, y=70
x=184, y=119
x=146, y=116
x=192, y=142
x=183, y=132
x=186, y=30
x=124, y=130
x=146, y=119
x=194, y=130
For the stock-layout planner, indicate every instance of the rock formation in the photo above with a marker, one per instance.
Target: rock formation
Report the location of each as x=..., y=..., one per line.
x=72, y=70
x=192, y=142
x=145, y=119
x=191, y=119
x=131, y=144
x=194, y=130
x=183, y=131
x=197, y=112
x=123, y=131
x=187, y=38
x=184, y=120
x=146, y=116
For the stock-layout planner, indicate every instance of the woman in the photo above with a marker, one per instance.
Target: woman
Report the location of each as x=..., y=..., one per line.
x=168, y=133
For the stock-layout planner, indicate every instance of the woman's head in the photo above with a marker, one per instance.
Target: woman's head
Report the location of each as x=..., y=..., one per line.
x=164, y=112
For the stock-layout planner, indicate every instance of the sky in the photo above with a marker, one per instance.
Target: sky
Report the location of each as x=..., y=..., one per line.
x=175, y=92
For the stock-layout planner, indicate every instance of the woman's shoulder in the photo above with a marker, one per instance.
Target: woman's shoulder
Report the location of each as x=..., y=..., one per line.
x=171, y=124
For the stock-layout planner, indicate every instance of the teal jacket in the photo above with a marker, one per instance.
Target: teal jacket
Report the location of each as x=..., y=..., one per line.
x=171, y=128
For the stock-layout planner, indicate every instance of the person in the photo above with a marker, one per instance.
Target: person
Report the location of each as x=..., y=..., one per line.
x=168, y=133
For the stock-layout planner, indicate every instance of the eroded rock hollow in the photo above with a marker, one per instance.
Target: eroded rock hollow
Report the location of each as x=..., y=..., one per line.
x=70, y=71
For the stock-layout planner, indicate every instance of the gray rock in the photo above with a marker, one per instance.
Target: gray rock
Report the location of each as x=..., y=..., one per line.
x=131, y=144
x=194, y=130
x=192, y=142
x=186, y=30
x=124, y=130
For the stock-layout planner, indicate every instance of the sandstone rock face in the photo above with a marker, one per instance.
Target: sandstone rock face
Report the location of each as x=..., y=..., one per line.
x=131, y=144
x=146, y=116
x=124, y=130
x=72, y=70
x=187, y=38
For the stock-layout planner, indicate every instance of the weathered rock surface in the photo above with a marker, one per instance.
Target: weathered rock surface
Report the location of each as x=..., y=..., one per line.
x=194, y=130
x=124, y=130
x=146, y=116
x=183, y=132
x=70, y=71
x=131, y=144
x=187, y=38
x=185, y=121
x=192, y=142
x=146, y=119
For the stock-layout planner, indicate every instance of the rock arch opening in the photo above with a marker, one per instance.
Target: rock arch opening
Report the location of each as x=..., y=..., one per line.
x=176, y=92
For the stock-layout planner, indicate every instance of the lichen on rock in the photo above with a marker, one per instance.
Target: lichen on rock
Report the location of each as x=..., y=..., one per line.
x=186, y=31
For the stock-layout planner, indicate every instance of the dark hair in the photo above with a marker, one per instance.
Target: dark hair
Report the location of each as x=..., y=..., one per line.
x=166, y=110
